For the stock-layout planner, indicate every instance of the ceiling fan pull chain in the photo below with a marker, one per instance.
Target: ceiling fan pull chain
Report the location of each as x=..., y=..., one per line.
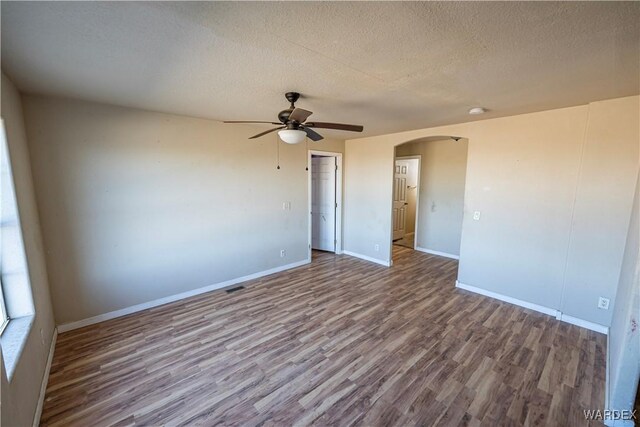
x=306, y=140
x=277, y=152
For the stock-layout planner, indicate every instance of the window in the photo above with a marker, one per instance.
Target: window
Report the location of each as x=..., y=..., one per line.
x=4, y=177
x=6, y=199
x=15, y=285
x=4, y=318
x=16, y=302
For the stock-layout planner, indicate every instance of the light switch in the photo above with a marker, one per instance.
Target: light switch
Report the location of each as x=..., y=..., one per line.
x=476, y=216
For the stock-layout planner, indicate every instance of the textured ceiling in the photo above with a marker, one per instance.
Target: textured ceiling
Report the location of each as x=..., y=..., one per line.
x=389, y=66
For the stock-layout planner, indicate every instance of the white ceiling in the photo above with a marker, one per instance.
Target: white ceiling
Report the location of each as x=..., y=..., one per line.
x=389, y=66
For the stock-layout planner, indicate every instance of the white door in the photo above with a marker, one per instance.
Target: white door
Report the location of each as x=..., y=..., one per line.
x=400, y=199
x=323, y=203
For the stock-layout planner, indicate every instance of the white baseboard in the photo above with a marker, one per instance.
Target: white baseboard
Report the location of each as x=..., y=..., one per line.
x=536, y=307
x=510, y=300
x=368, y=258
x=45, y=380
x=583, y=323
x=155, y=303
x=444, y=254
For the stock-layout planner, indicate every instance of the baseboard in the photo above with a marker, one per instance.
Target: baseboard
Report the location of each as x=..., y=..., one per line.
x=444, y=254
x=368, y=258
x=172, y=298
x=536, y=307
x=510, y=300
x=584, y=323
x=45, y=380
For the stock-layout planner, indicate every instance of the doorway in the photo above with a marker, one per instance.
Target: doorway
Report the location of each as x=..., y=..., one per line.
x=406, y=183
x=439, y=196
x=325, y=201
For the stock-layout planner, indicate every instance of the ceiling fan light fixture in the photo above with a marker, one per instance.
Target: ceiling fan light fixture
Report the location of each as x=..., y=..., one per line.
x=292, y=136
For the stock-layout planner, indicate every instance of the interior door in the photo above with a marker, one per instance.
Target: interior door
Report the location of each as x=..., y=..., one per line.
x=323, y=203
x=400, y=199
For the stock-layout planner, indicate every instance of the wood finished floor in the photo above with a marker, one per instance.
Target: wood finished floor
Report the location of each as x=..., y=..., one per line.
x=406, y=241
x=339, y=342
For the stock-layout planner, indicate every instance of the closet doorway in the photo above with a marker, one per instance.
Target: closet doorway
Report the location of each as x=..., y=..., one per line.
x=325, y=201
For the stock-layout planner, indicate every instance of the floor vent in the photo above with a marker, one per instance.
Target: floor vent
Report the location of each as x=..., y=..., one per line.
x=237, y=288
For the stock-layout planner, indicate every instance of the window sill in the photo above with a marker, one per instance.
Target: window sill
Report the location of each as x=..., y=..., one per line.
x=13, y=340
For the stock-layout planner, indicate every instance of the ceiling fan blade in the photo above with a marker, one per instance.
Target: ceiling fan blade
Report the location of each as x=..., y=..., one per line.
x=249, y=121
x=313, y=135
x=299, y=115
x=266, y=132
x=339, y=126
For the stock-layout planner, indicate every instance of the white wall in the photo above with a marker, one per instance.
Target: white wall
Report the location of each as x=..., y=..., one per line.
x=19, y=398
x=368, y=183
x=442, y=179
x=551, y=214
x=602, y=207
x=138, y=206
x=624, y=335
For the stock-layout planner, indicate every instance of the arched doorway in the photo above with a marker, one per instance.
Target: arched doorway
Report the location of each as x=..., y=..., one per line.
x=428, y=195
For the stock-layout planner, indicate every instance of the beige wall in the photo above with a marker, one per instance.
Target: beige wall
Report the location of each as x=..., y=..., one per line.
x=442, y=178
x=20, y=396
x=138, y=206
x=603, y=204
x=624, y=335
x=551, y=214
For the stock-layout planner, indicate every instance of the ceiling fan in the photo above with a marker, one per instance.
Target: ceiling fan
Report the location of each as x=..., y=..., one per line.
x=293, y=127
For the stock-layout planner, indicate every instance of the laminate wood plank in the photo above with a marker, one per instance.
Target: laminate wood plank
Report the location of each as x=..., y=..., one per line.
x=338, y=342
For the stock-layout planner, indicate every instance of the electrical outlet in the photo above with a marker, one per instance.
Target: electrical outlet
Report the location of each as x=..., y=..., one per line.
x=376, y=247
x=283, y=253
x=286, y=206
x=603, y=303
x=476, y=216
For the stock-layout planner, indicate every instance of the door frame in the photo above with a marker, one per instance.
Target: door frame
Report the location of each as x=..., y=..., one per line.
x=415, y=227
x=338, y=157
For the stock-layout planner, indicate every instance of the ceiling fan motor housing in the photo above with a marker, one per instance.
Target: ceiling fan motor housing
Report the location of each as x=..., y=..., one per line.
x=292, y=97
x=283, y=115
